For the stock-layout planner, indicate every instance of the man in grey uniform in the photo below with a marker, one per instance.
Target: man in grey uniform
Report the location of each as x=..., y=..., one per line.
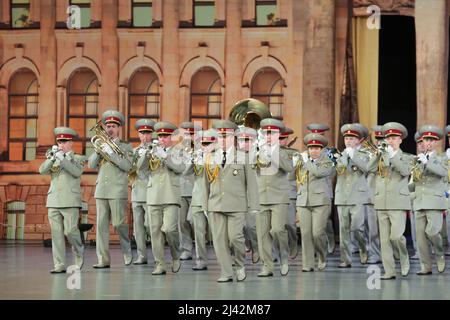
x=352, y=193
x=139, y=190
x=314, y=199
x=292, y=210
x=392, y=199
x=111, y=191
x=430, y=184
x=165, y=163
x=246, y=141
x=230, y=193
x=64, y=197
x=273, y=165
x=447, y=215
x=187, y=183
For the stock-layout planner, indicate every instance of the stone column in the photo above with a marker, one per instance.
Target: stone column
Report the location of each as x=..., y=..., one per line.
x=431, y=61
x=233, y=56
x=170, y=110
x=318, y=63
x=108, y=96
x=47, y=111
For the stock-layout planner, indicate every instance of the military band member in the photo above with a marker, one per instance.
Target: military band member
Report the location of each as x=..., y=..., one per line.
x=273, y=164
x=392, y=199
x=352, y=193
x=208, y=139
x=430, y=184
x=166, y=164
x=370, y=215
x=313, y=173
x=292, y=209
x=230, y=193
x=139, y=184
x=64, y=197
x=246, y=141
x=187, y=183
x=111, y=191
x=447, y=215
x=321, y=129
x=412, y=217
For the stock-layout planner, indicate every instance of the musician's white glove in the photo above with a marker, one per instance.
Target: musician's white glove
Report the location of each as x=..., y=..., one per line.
x=304, y=156
x=142, y=152
x=350, y=152
x=200, y=160
x=295, y=159
x=264, y=155
x=448, y=153
x=423, y=158
x=107, y=149
x=390, y=151
x=254, y=211
x=160, y=153
x=59, y=155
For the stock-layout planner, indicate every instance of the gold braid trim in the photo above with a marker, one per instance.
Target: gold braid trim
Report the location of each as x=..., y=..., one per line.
x=300, y=175
x=382, y=170
x=340, y=170
x=154, y=163
x=212, y=174
x=198, y=170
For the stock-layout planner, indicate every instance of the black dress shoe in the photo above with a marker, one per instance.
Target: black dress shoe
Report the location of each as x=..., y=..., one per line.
x=308, y=270
x=385, y=277
x=424, y=273
x=55, y=271
x=195, y=268
x=101, y=266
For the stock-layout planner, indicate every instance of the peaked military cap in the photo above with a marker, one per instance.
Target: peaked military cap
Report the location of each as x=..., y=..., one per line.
x=315, y=140
x=317, y=127
x=417, y=137
x=378, y=132
x=144, y=125
x=64, y=133
x=352, y=130
x=394, y=129
x=271, y=124
x=113, y=116
x=224, y=126
x=430, y=131
x=165, y=128
x=245, y=132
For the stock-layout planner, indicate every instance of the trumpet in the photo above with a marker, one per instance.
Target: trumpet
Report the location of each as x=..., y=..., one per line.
x=50, y=154
x=370, y=147
x=101, y=139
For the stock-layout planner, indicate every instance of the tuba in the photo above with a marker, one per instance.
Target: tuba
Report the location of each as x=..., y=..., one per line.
x=249, y=113
x=102, y=138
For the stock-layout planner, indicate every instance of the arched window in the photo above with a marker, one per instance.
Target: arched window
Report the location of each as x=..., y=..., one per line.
x=23, y=113
x=82, y=107
x=267, y=86
x=15, y=220
x=143, y=99
x=206, y=96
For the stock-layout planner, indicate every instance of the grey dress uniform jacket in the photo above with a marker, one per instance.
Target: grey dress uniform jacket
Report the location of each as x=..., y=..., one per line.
x=429, y=192
x=316, y=190
x=112, y=180
x=352, y=187
x=65, y=190
x=391, y=189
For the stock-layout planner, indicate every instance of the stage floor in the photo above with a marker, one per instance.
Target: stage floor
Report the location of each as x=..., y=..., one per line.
x=24, y=274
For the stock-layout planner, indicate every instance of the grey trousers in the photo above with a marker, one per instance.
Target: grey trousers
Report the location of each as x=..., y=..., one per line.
x=373, y=235
x=200, y=229
x=139, y=228
x=392, y=227
x=64, y=222
x=313, y=223
x=185, y=226
x=114, y=211
x=428, y=227
x=250, y=230
x=271, y=229
x=228, y=230
x=164, y=226
x=351, y=219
